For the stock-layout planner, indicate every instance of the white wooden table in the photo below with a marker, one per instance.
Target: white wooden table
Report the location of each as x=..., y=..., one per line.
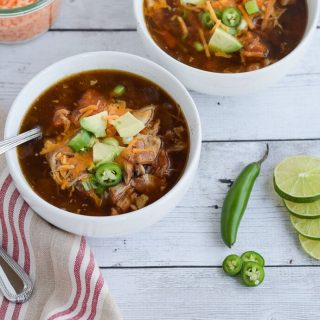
x=172, y=270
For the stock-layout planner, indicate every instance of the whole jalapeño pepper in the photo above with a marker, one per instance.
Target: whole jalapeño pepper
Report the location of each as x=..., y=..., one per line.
x=237, y=199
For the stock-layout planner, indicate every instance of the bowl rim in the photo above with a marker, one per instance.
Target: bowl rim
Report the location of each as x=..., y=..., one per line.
x=140, y=19
x=192, y=162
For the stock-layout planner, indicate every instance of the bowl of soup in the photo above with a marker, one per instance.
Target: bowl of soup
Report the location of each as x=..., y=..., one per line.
x=120, y=146
x=227, y=47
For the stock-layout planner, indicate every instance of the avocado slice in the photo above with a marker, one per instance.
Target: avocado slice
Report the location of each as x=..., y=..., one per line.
x=128, y=125
x=225, y=42
x=81, y=141
x=127, y=140
x=105, y=152
x=95, y=124
x=252, y=7
x=111, y=141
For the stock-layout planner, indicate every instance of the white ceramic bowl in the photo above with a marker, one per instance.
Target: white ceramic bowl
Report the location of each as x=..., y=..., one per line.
x=112, y=225
x=230, y=84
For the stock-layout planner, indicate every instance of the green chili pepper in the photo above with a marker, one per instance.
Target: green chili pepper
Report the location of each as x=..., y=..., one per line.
x=237, y=199
x=206, y=20
x=119, y=90
x=231, y=17
x=109, y=174
x=99, y=189
x=232, y=31
x=253, y=257
x=198, y=46
x=218, y=13
x=232, y=265
x=96, y=186
x=252, y=274
x=93, y=184
x=81, y=141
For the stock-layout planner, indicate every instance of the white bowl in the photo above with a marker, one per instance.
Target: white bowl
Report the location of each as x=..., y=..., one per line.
x=230, y=84
x=109, y=225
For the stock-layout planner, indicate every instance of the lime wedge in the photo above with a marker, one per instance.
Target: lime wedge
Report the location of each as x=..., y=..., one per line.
x=298, y=179
x=304, y=210
x=311, y=247
x=309, y=228
x=225, y=42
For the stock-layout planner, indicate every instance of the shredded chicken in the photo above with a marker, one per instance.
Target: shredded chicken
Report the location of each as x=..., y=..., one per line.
x=139, y=170
x=254, y=49
x=152, y=128
x=145, y=115
x=117, y=108
x=91, y=98
x=176, y=139
x=144, y=150
x=124, y=197
x=141, y=201
x=116, y=192
x=68, y=168
x=61, y=118
x=145, y=163
x=162, y=164
x=148, y=183
x=128, y=171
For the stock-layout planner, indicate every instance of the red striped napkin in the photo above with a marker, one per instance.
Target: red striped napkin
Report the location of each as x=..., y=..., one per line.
x=67, y=280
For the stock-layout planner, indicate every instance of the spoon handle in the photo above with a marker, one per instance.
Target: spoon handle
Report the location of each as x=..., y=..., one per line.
x=15, y=284
x=10, y=143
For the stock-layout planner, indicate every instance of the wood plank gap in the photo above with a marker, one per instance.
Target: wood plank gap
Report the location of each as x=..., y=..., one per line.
x=261, y=140
x=202, y=267
x=103, y=29
x=92, y=30
x=302, y=74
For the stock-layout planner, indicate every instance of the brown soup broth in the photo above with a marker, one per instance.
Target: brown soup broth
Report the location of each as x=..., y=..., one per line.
x=139, y=93
x=279, y=41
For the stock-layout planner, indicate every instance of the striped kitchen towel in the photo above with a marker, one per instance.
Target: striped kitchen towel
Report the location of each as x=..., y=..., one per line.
x=67, y=280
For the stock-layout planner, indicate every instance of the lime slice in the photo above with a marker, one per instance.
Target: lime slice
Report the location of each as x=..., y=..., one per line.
x=304, y=210
x=298, y=179
x=309, y=228
x=311, y=247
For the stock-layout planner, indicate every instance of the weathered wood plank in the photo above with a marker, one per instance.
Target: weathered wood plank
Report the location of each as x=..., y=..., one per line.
x=206, y=294
x=190, y=235
x=100, y=14
x=286, y=111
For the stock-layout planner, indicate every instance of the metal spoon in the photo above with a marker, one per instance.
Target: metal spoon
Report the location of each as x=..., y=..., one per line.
x=15, y=284
x=13, y=142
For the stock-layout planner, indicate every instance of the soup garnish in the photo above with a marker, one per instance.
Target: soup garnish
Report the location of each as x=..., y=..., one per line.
x=113, y=143
x=226, y=35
